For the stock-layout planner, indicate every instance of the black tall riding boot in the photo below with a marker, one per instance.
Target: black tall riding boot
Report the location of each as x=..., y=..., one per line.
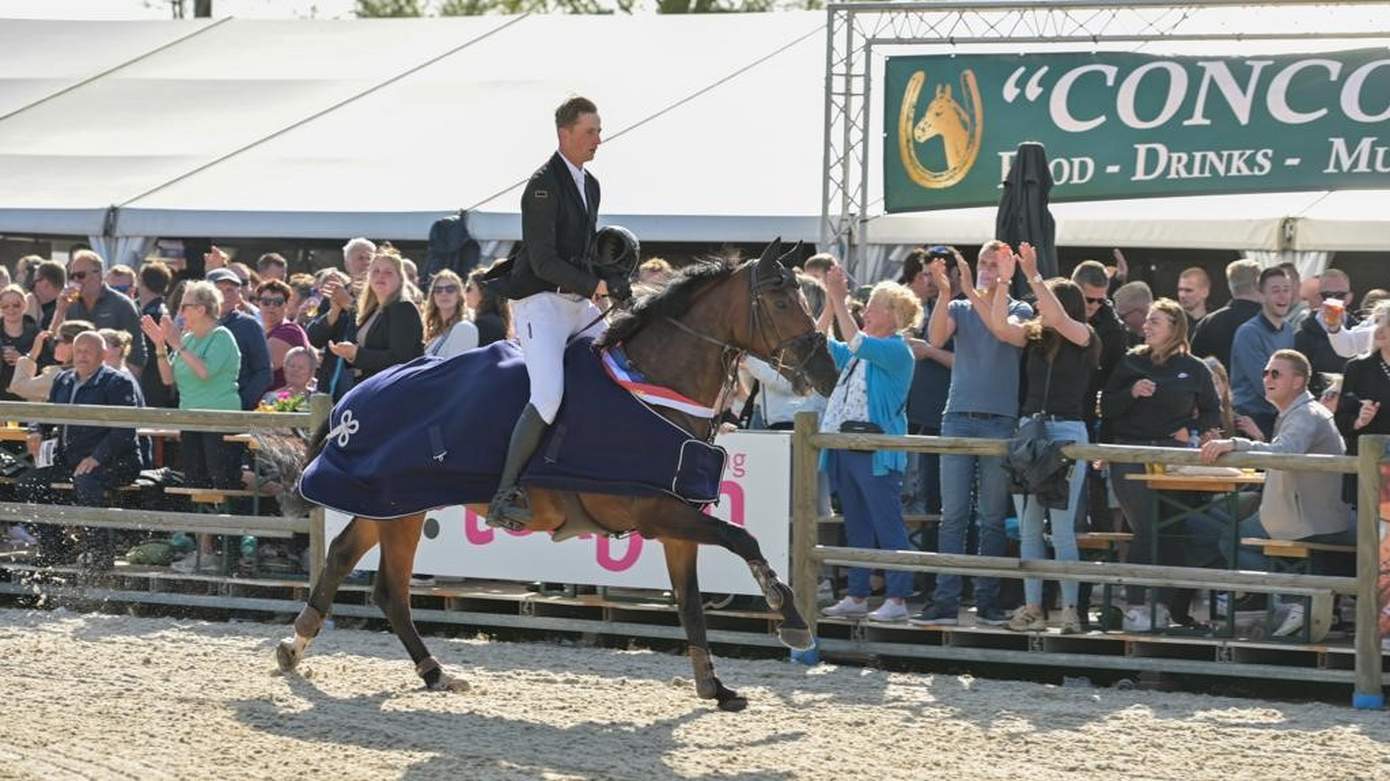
x=509, y=507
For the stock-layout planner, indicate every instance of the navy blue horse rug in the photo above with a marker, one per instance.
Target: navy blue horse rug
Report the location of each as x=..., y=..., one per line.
x=434, y=432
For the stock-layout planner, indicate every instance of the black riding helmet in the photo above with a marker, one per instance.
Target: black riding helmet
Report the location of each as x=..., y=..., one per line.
x=616, y=250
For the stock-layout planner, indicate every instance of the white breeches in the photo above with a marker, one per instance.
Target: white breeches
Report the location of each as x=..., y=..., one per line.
x=544, y=324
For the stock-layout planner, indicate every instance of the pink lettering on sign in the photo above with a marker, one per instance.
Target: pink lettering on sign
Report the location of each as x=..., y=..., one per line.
x=737, y=464
x=731, y=494
x=474, y=530
x=605, y=556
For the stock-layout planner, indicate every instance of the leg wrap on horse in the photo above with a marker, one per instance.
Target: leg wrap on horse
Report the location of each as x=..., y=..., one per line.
x=308, y=622
x=706, y=685
x=767, y=581
x=425, y=666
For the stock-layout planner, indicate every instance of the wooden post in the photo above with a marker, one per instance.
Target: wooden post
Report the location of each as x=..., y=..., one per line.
x=1369, y=692
x=320, y=405
x=805, y=569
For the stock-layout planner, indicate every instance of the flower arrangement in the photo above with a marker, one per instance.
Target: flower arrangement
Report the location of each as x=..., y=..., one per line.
x=285, y=402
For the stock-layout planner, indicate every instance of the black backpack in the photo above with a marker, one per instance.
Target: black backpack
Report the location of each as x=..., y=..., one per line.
x=450, y=248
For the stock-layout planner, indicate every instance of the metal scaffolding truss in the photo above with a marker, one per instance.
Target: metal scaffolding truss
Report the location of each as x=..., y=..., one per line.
x=855, y=30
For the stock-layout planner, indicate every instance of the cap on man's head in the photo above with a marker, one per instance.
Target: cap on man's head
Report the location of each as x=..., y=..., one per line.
x=223, y=275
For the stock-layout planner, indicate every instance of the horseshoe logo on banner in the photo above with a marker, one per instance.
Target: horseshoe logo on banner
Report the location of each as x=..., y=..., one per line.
x=960, y=128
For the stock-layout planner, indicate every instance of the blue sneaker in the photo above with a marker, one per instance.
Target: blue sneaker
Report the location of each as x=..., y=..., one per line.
x=991, y=616
x=937, y=615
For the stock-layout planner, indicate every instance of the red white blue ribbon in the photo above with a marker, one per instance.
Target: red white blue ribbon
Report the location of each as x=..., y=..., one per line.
x=634, y=382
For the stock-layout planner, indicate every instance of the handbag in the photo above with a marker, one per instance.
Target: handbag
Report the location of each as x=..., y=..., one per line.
x=863, y=426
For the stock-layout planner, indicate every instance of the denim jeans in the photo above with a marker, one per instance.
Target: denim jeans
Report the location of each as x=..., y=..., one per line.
x=1031, y=513
x=1248, y=558
x=991, y=501
x=924, y=477
x=873, y=516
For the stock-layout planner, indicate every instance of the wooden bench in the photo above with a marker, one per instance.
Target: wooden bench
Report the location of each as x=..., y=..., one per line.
x=209, y=495
x=124, y=489
x=1296, y=556
x=1102, y=546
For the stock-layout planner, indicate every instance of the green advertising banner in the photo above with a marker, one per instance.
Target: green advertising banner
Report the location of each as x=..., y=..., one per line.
x=1119, y=125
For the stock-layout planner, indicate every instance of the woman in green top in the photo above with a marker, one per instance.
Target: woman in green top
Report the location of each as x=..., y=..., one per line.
x=202, y=365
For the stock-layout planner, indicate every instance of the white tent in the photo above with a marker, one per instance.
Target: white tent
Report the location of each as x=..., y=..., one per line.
x=326, y=129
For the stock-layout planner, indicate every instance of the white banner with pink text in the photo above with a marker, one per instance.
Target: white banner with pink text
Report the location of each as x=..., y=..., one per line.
x=755, y=494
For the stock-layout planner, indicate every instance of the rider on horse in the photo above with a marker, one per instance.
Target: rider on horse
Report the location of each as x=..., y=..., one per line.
x=553, y=279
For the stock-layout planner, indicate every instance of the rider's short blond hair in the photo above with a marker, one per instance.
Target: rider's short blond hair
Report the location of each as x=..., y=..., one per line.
x=907, y=308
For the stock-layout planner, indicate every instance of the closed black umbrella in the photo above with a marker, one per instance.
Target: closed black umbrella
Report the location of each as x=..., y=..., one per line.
x=1023, y=213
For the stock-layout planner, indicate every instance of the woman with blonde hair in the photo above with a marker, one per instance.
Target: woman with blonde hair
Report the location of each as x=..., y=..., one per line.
x=17, y=334
x=389, y=331
x=448, y=331
x=876, y=368
x=1157, y=391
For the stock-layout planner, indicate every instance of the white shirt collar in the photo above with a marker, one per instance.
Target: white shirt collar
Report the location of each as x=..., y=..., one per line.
x=578, y=174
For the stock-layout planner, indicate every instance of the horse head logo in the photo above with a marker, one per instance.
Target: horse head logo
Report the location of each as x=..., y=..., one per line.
x=960, y=128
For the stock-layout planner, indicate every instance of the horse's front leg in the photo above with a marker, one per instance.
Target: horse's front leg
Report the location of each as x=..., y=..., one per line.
x=351, y=544
x=680, y=562
x=677, y=520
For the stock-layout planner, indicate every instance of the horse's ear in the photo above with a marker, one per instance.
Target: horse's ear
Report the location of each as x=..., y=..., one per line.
x=772, y=251
x=789, y=257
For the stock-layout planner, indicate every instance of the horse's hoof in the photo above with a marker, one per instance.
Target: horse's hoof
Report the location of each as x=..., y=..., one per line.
x=448, y=683
x=286, y=656
x=797, y=639
x=731, y=702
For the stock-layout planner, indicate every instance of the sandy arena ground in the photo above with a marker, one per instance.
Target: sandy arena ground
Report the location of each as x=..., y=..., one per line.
x=97, y=696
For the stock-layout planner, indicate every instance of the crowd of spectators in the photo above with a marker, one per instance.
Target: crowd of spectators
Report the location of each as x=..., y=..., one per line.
x=237, y=339
x=1285, y=365
x=1098, y=358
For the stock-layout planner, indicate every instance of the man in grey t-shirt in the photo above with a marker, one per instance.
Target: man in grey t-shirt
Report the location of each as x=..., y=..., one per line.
x=983, y=402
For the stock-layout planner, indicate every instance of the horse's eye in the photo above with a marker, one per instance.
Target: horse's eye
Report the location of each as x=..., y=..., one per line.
x=781, y=303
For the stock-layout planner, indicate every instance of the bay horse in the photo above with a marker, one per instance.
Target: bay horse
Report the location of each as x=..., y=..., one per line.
x=688, y=337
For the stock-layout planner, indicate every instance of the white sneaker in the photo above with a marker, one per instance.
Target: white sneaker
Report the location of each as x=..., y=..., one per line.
x=825, y=593
x=890, y=610
x=1293, y=621
x=21, y=536
x=1137, y=618
x=849, y=607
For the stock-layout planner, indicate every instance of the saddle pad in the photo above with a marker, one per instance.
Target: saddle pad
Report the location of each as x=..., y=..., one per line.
x=434, y=433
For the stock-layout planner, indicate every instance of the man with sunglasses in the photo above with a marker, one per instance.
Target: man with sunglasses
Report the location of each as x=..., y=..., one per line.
x=1334, y=290
x=1294, y=505
x=102, y=305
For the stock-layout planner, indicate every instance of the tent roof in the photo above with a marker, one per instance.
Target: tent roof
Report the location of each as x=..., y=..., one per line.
x=325, y=129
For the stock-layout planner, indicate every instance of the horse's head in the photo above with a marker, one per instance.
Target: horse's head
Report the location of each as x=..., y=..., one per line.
x=779, y=327
x=943, y=117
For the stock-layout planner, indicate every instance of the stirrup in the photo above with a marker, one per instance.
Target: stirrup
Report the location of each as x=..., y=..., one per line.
x=509, y=510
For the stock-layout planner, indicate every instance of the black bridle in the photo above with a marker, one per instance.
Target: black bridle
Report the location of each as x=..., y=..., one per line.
x=759, y=321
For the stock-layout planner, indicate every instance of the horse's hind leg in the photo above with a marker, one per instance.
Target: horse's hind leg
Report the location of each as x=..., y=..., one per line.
x=399, y=539
x=680, y=562
x=676, y=520
x=347, y=548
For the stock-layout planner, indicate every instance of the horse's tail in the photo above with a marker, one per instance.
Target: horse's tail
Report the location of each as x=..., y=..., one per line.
x=290, y=465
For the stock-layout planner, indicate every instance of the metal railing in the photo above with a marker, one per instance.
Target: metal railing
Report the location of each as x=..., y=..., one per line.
x=808, y=556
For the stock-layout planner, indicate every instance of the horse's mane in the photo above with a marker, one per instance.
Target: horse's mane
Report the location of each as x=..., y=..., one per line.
x=672, y=300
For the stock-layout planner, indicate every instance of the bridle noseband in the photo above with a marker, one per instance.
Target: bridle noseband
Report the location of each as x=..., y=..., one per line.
x=759, y=321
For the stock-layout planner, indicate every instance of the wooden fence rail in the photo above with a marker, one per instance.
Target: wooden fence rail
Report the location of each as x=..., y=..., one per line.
x=808, y=557
x=195, y=420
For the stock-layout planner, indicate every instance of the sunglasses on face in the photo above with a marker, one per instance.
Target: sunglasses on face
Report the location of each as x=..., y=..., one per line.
x=1328, y=295
x=446, y=288
x=78, y=275
x=268, y=301
x=1273, y=374
x=1096, y=301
